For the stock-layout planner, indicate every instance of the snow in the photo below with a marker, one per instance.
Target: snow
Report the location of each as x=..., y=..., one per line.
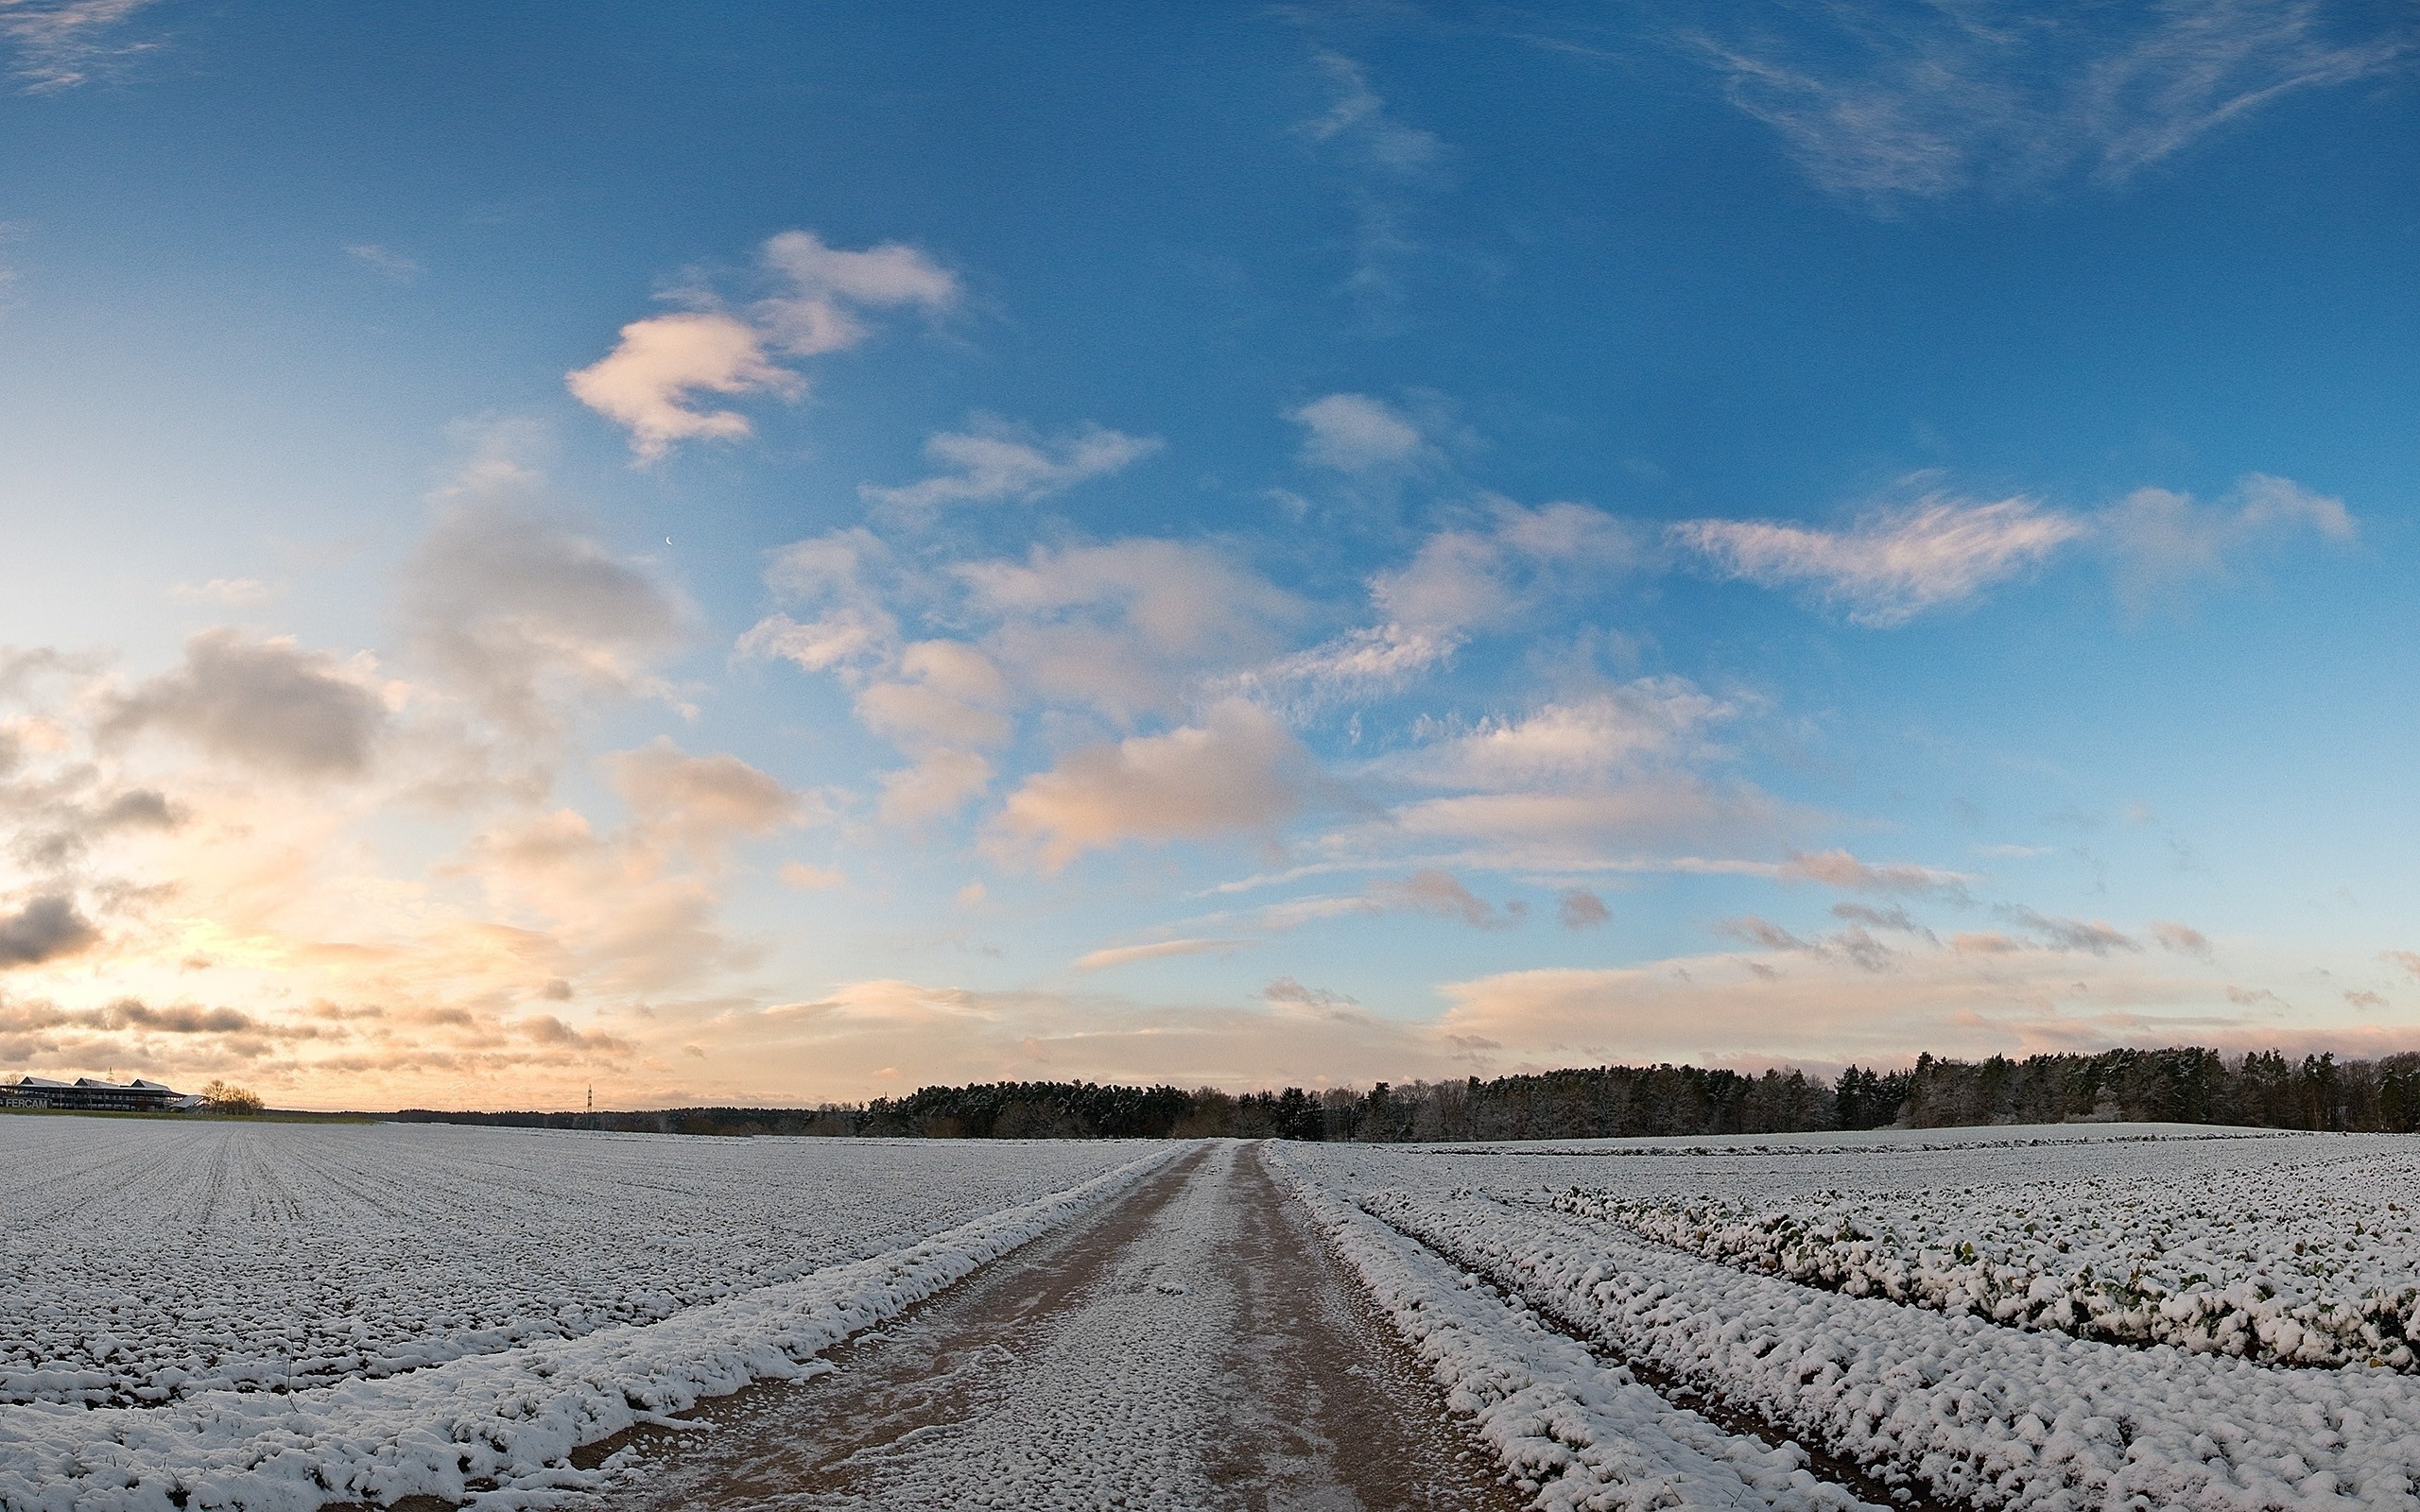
x=1990, y=1415
x=141, y=1262
x=1574, y=1432
x=2314, y=1263
x=497, y=1424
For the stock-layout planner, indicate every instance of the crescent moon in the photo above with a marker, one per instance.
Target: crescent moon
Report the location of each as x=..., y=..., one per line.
x=667, y=541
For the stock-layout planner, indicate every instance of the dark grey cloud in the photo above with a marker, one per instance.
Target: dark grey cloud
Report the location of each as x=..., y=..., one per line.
x=132, y=1013
x=266, y=703
x=44, y=930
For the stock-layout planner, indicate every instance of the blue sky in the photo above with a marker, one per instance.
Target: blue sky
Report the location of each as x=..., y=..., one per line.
x=790, y=552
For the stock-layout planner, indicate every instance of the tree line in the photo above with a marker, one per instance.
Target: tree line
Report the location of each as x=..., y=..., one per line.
x=2185, y=1085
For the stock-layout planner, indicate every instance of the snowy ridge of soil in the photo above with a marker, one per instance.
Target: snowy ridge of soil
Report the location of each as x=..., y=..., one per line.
x=143, y=1261
x=1574, y=1432
x=2314, y=1265
x=507, y=1420
x=1988, y=1416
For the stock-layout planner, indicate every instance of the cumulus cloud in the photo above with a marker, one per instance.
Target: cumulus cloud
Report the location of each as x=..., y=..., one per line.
x=1355, y=433
x=834, y=577
x=1475, y=580
x=648, y=383
x=700, y=804
x=828, y=287
x=1893, y=564
x=1922, y=101
x=939, y=782
x=45, y=929
x=1126, y=626
x=516, y=610
x=1460, y=583
x=651, y=382
x=1237, y=771
x=266, y=703
x=995, y=460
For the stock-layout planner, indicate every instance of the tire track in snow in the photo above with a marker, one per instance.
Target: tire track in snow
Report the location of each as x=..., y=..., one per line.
x=1195, y=1347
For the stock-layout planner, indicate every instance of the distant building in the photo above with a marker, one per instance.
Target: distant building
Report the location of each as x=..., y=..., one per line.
x=87, y=1095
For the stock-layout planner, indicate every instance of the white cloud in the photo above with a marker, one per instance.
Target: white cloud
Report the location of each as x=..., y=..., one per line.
x=816, y=313
x=1126, y=626
x=646, y=383
x=1925, y=101
x=940, y=781
x=1363, y=663
x=1237, y=771
x=1893, y=564
x=700, y=803
x=650, y=381
x=61, y=43
x=994, y=460
x=1653, y=720
x=1355, y=433
x=832, y=574
x=2163, y=541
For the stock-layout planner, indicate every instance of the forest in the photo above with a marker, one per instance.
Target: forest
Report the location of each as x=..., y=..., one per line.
x=2187, y=1085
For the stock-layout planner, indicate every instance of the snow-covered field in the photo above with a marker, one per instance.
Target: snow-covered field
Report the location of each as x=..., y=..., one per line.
x=142, y=1260
x=273, y=1316
x=1730, y=1268
x=2119, y=1318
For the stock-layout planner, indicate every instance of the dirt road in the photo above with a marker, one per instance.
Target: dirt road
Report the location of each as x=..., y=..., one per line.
x=1191, y=1347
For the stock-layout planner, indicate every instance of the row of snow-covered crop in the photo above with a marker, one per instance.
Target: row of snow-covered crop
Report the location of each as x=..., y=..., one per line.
x=1965, y=1411
x=145, y=1262
x=1574, y=1432
x=2313, y=1263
